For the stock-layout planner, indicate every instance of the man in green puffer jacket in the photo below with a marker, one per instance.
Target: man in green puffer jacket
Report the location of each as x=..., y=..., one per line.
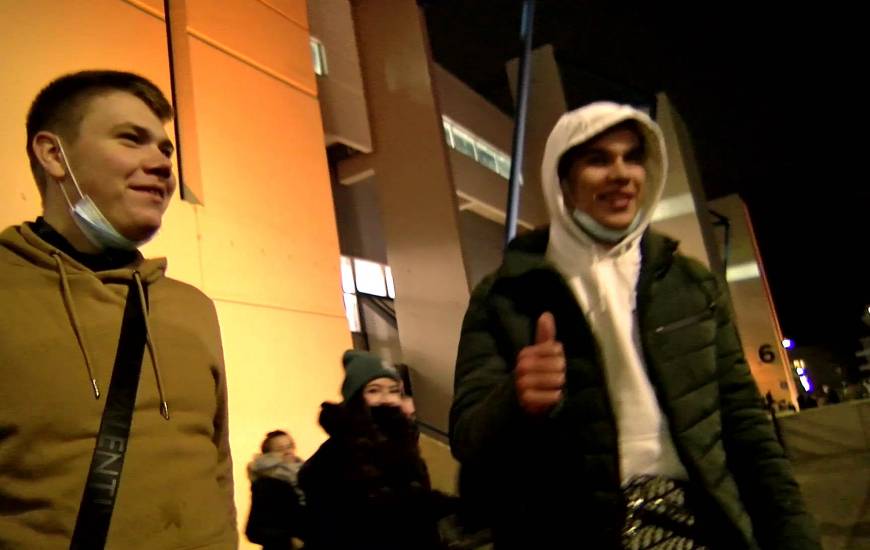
x=611, y=363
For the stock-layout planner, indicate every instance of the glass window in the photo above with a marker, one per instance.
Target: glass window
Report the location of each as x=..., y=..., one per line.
x=347, y=284
x=448, y=134
x=503, y=166
x=351, y=311
x=391, y=288
x=463, y=142
x=318, y=56
x=486, y=156
x=468, y=144
x=369, y=277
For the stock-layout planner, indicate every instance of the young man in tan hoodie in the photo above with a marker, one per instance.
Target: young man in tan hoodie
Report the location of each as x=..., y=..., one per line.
x=92, y=326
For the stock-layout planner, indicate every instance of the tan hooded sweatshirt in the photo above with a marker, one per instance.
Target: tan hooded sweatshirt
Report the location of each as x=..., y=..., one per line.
x=58, y=337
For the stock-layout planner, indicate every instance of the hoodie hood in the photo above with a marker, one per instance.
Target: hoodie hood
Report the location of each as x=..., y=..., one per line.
x=25, y=243
x=580, y=126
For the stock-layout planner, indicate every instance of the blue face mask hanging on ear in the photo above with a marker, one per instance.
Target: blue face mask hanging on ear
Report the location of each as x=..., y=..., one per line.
x=90, y=220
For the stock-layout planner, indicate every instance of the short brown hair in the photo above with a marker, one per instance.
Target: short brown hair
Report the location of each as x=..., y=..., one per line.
x=60, y=106
x=265, y=446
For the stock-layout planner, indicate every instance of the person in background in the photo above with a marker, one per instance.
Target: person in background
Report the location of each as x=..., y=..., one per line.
x=367, y=486
x=277, y=503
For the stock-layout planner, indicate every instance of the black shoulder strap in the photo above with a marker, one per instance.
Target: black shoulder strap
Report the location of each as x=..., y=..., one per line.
x=104, y=476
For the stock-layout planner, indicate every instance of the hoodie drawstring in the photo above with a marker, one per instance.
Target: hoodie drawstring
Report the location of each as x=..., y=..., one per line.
x=74, y=320
x=600, y=287
x=164, y=406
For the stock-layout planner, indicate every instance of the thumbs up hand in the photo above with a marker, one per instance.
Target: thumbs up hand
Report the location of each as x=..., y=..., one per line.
x=540, y=370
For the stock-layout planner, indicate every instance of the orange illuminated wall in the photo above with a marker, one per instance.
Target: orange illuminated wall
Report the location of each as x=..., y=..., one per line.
x=263, y=244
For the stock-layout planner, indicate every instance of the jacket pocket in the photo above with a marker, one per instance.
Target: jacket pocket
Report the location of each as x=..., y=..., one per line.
x=688, y=321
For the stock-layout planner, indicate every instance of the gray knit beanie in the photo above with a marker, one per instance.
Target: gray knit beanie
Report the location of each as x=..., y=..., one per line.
x=361, y=367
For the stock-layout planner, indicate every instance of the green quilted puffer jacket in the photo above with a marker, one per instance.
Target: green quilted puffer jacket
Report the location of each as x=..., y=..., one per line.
x=554, y=481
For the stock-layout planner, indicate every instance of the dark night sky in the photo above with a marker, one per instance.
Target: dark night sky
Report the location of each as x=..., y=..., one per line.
x=775, y=101
x=772, y=100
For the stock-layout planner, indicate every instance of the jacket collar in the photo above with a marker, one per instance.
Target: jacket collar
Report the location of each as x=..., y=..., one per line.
x=526, y=254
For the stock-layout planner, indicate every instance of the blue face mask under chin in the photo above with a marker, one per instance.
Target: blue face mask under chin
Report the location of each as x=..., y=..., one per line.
x=601, y=233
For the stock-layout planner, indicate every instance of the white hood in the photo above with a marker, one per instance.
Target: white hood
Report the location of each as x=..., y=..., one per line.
x=604, y=278
x=579, y=126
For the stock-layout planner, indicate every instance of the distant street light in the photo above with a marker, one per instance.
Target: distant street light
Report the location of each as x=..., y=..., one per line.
x=787, y=343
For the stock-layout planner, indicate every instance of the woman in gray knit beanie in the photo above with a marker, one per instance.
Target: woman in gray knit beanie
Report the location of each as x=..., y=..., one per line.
x=369, y=473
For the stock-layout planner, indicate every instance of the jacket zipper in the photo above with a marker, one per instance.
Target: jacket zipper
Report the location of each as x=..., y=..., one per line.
x=704, y=315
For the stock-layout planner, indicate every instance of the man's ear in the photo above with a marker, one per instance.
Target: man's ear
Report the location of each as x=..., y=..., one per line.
x=48, y=153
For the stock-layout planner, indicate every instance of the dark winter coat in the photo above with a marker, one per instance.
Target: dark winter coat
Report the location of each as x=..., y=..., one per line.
x=567, y=492
x=367, y=487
